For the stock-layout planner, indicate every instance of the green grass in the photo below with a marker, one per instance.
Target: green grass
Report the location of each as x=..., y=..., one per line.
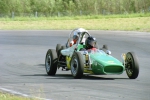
x=126, y=22
x=6, y=96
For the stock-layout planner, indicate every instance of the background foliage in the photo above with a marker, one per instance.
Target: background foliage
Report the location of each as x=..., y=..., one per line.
x=71, y=7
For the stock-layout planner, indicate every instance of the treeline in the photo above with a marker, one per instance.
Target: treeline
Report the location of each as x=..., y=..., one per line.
x=73, y=7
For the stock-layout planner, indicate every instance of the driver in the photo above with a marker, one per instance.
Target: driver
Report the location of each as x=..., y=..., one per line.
x=90, y=43
x=75, y=38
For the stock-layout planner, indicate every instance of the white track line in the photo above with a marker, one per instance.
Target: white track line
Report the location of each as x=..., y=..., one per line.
x=21, y=94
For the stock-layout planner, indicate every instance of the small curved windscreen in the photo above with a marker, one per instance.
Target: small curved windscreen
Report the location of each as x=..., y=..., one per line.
x=95, y=51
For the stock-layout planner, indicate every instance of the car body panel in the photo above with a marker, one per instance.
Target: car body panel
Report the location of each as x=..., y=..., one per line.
x=101, y=63
x=105, y=64
x=69, y=51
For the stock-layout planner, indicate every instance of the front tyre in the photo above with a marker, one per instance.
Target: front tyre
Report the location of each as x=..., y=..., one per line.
x=132, y=66
x=77, y=65
x=51, y=62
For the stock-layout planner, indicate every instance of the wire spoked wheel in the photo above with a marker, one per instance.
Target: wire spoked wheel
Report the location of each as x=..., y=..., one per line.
x=74, y=66
x=77, y=65
x=48, y=63
x=132, y=66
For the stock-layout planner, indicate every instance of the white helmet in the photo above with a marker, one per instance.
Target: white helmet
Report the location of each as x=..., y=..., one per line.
x=77, y=32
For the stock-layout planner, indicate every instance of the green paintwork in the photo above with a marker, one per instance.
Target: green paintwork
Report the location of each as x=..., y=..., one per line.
x=105, y=64
x=80, y=46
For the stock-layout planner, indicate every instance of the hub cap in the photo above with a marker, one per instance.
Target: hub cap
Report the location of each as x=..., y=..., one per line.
x=48, y=63
x=74, y=66
x=129, y=65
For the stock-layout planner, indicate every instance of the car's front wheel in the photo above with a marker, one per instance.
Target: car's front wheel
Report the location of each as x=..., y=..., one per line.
x=51, y=62
x=132, y=66
x=77, y=65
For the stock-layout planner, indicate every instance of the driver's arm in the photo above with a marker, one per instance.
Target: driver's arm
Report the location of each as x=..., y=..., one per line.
x=71, y=43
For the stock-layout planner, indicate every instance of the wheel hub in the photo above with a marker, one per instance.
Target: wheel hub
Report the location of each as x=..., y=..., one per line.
x=74, y=66
x=48, y=63
x=129, y=66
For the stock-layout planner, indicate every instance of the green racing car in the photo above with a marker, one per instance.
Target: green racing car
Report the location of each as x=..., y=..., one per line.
x=82, y=55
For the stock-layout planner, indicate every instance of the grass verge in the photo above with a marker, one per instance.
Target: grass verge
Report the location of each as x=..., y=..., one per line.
x=7, y=96
x=132, y=22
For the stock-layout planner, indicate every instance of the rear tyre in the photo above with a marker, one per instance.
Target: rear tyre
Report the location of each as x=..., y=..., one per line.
x=58, y=47
x=51, y=62
x=96, y=46
x=104, y=48
x=132, y=66
x=77, y=65
x=59, y=51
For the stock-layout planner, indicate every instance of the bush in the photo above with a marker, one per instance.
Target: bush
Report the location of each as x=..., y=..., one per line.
x=72, y=7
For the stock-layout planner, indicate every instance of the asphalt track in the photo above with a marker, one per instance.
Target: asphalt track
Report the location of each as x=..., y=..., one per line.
x=22, y=70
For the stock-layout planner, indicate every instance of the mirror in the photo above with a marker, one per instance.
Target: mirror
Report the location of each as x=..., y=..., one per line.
x=108, y=52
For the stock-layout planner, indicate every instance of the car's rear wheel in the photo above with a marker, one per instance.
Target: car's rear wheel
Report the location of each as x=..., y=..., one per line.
x=104, y=48
x=59, y=51
x=58, y=47
x=97, y=46
x=132, y=66
x=51, y=62
x=77, y=65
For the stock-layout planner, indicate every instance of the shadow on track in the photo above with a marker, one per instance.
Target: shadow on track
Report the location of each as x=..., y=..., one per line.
x=41, y=65
x=36, y=75
x=99, y=77
x=85, y=77
x=69, y=76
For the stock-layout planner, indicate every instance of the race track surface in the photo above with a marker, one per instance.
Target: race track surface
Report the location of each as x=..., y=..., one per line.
x=22, y=69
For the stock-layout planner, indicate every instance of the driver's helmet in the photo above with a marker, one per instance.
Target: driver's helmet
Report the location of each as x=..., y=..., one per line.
x=76, y=34
x=90, y=42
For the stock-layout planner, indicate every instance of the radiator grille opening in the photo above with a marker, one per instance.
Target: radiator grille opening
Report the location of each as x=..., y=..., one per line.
x=113, y=69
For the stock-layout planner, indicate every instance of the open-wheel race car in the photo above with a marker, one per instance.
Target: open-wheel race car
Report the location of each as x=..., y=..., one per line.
x=81, y=55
